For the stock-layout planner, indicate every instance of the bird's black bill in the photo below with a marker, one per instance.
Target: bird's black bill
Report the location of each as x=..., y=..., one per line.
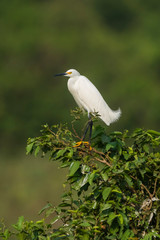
x=60, y=74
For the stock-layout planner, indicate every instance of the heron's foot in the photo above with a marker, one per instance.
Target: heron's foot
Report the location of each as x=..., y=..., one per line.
x=83, y=143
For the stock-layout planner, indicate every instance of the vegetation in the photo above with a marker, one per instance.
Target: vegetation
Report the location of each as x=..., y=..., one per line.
x=112, y=189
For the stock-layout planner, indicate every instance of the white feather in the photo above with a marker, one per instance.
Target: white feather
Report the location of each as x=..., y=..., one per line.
x=89, y=98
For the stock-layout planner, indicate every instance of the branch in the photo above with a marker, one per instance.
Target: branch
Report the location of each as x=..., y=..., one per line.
x=155, y=185
x=101, y=154
x=75, y=133
x=102, y=161
x=150, y=195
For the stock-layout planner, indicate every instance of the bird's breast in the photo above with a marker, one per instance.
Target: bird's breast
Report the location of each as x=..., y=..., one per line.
x=72, y=85
x=73, y=88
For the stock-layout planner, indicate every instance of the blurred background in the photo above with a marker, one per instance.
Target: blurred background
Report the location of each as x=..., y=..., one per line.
x=116, y=44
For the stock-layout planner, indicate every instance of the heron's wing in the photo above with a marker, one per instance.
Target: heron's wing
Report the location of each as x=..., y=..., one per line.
x=91, y=99
x=88, y=94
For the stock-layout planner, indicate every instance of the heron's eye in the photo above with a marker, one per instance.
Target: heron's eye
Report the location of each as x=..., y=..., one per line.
x=69, y=72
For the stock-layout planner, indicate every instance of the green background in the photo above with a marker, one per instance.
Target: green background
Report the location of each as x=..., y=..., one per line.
x=114, y=43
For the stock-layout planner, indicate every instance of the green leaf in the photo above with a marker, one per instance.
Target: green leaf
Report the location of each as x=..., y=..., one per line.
x=125, y=219
x=106, y=192
x=19, y=224
x=146, y=148
x=85, y=236
x=97, y=131
x=153, y=132
x=65, y=164
x=126, y=155
x=70, y=154
x=116, y=133
x=85, y=169
x=6, y=233
x=74, y=167
x=84, y=180
x=85, y=224
x=117, y=191
x=48, y=205
x=111, y=217
x=91, y=177
x=104, y=176
x=105, y=139
x=120, y=217
x=91, y=219
x=128, y=180
x=105, y=206
x=29, y=148
x=94, y=205
x=128, y=233
x=64, y=204
x=37, y=150
x=111, y=145
x=60, y=153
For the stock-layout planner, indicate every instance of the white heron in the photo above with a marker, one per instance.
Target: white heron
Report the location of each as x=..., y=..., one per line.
x=89, y=98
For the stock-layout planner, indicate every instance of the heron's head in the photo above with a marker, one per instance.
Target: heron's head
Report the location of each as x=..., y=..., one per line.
x=69, y=73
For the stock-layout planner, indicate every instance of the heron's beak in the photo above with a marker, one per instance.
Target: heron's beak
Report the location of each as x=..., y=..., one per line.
x=60, y=74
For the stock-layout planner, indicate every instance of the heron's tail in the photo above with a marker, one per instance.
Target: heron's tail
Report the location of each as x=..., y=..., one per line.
x=111, y=116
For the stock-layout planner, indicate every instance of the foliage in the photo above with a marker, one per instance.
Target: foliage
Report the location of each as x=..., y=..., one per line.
x=112, y=189
x=25, y=230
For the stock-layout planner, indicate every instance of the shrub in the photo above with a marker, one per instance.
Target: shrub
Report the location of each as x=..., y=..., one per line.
x=113, y=188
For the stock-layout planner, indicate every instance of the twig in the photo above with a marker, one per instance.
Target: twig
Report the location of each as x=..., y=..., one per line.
x=75, y=133
x=51, y=132
x=150, y=195
x=101, y=153
x=155, y=185
x=102, y=161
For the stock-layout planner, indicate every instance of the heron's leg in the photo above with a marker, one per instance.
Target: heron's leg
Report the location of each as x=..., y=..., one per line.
x=90, y=132
x=86, y=130
x=89, y=125
x=84, y=135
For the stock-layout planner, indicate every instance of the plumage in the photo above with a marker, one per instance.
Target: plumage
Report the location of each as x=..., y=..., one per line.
x=89, y=98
